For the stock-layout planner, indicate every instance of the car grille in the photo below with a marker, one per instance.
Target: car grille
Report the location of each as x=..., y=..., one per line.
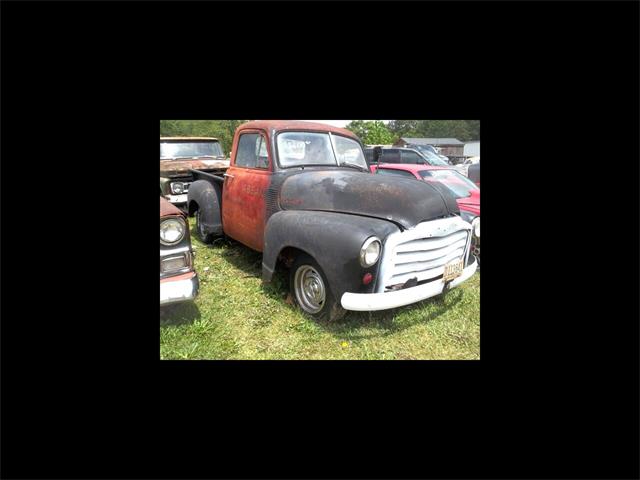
x=422, y=253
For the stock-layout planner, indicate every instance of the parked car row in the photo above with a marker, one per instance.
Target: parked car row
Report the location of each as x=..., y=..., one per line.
x=304, y=196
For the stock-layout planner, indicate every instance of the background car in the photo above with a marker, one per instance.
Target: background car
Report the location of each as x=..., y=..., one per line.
x=406, y=155
x=466, y=193
x=178, y=280
x=474, y=173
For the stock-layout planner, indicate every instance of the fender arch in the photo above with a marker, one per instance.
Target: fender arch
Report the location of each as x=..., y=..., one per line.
x=332, y=239
x=206, y=197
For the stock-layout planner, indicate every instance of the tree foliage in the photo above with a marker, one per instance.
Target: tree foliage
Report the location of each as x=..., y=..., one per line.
x=223, y=130
x=371, y=132
x=463, y=130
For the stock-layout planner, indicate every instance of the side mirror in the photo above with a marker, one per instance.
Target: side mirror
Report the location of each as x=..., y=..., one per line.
x=377, y=154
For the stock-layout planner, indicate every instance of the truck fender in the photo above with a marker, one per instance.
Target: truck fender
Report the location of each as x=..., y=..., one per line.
x=206, y=197
x=333, y=239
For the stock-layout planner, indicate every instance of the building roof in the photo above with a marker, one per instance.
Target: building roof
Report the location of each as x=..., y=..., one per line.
x=433, y=141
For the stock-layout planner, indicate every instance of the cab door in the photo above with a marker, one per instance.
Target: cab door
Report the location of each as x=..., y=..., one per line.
x=246, y=181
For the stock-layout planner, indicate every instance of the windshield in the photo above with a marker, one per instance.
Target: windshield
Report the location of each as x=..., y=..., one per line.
x=432, y=158
x=190, y=149
x=459, y=185
x=310, y=148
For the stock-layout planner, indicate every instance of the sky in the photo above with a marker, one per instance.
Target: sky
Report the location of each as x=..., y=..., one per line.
x=337, y=123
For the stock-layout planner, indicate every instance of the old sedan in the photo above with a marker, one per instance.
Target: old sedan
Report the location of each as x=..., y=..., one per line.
x=178, y=280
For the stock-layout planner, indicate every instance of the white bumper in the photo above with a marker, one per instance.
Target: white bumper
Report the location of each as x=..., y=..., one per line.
x=365, y=302
x=179, y=290
x=177, y=198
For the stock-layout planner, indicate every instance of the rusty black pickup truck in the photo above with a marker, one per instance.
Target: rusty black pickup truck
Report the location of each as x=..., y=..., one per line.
x=302, y=194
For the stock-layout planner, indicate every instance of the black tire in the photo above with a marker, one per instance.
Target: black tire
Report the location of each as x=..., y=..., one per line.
x=326, y=310
x=204, y=237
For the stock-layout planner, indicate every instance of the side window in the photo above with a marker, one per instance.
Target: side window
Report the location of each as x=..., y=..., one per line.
x=252, y=151
x=411, y=157
x=261, y=153
x=390, y=156
x=397, y=173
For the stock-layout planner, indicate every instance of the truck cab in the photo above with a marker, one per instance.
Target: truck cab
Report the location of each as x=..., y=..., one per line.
x=178, y=155
x=302, y=194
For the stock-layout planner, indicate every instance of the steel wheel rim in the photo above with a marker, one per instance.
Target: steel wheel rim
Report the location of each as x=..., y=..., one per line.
x=309, y=289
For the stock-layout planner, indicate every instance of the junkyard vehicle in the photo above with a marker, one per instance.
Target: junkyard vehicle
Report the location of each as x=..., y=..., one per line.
x=406, y=155
x=474, y=173
x=301, y=193
x=180, y=154
x=178, y=279
x=467, y=193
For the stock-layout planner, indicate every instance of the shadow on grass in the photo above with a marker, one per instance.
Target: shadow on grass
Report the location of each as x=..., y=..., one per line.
x=179, y=314
x=385, y=321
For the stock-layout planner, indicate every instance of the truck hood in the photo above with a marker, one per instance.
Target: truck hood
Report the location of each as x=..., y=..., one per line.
x=403, y=201
x=180, y=168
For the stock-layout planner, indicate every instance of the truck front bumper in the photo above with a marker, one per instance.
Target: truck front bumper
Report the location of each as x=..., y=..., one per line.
x=177, y=199
x=179, y=288
x=365, y=302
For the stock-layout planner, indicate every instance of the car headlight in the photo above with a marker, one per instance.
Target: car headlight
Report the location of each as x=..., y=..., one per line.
x=370, y=251
x=172, y=231
x=476, y=227
x=177, y=188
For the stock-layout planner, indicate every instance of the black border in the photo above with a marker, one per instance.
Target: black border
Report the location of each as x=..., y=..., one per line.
x=555, y=393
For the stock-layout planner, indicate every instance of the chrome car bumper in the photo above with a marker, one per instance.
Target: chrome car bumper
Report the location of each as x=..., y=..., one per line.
x=381, y=301
x=177, y=199
x=180, y=288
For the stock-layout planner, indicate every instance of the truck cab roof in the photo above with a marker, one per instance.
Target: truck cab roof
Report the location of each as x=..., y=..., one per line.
x=280, y=125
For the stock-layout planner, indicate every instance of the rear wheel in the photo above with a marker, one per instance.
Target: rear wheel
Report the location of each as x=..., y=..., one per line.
x=202, y=235
x=310, y=289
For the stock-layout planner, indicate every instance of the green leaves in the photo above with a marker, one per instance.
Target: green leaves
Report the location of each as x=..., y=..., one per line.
x=371, y=132
x=463, y=130
x=223, y=130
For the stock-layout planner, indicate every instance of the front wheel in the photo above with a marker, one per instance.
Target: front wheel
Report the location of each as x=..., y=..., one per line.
x=311, y=290
x=204, y=237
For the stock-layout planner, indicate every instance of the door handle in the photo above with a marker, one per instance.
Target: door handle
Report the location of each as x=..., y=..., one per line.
x=229, y=176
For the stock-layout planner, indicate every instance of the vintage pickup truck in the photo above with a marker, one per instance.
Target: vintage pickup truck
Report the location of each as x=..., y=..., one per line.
x=180, y=154
x=301, y=193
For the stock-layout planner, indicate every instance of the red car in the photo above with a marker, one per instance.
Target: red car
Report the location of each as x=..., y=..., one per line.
x=466, y=192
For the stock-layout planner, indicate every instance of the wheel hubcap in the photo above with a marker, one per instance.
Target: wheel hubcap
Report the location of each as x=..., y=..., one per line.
x=309, y=289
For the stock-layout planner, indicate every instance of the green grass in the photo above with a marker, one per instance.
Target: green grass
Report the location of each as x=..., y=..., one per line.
x=236, y=317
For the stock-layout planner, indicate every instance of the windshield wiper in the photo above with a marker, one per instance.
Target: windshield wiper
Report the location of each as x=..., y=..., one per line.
x=353, y=165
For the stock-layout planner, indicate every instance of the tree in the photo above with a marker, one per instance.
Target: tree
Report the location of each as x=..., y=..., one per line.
x=463, y=130
x=371, y=132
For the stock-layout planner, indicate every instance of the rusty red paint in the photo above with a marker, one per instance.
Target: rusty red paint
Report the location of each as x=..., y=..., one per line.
x=273, y=126
x=167, y=209
x=178, y=168
x=183, y=276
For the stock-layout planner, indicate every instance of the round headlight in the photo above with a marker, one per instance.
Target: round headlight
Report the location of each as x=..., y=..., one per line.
x=476, y=226
x=172, y=231
x=370, y=251
x=177, y=187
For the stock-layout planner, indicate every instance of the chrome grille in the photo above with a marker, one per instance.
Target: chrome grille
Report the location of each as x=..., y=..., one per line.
x=423, y=252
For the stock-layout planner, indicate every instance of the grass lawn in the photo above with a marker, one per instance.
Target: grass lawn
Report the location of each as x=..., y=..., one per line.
x=235, y=317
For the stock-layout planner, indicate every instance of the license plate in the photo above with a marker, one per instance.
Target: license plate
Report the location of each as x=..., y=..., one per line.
x=452, y=270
